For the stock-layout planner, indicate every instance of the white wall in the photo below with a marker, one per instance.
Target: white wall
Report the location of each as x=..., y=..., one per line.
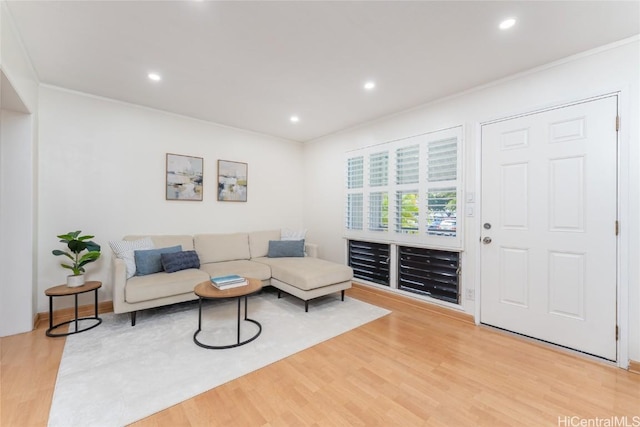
x=102, y=171
x=598, y=72
x=15, y=62
x=16, y=223
x=18, y=97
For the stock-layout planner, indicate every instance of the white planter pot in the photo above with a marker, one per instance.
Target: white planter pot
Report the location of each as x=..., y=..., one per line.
x=75, y=281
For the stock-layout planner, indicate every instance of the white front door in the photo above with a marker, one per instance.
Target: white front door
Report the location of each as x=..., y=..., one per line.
x=549, y=211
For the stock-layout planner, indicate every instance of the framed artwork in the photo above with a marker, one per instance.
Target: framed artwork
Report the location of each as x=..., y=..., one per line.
x=184, y=177
x=232, y=181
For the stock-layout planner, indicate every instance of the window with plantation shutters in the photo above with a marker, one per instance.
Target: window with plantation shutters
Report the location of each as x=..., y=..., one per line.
x=354, y=211
x=407, y=162
x=354, y=208
x=378, y=211
x=378, y=169
x=406, y=190
x=378, y=196
x=442, y=177
x=355, y=173
x=407, y=194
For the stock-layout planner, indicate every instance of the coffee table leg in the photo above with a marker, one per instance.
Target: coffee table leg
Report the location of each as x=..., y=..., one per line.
x=199, y=314
x=239, y=298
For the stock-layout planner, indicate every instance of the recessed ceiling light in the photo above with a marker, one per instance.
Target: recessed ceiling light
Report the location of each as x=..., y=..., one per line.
x=154, y=76
x=507, y=23
x=295, y=119
x=369, y=85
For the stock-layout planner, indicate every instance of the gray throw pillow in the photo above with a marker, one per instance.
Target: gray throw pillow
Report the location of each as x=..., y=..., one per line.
x=286, y=248
x=149, y=261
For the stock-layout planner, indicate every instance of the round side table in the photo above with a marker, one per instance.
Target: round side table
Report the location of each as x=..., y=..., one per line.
x=63, y=291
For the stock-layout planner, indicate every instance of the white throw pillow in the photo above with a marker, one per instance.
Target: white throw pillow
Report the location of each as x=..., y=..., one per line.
x=288, y=234
x=124, y=249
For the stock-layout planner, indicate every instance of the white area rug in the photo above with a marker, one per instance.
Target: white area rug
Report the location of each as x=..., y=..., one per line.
x=116, y=374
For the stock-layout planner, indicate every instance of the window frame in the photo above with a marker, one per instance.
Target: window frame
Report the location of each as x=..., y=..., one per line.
x=422, y=238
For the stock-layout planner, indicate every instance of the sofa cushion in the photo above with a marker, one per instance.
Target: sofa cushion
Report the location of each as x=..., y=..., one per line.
x=222, y=247
x=172, y=262
x=161, y=285
x=124, y=249
x=259, y=242
x=244, y=268
x=148, y=261
x=307, y=273
x=166, y=240
x=286, y=248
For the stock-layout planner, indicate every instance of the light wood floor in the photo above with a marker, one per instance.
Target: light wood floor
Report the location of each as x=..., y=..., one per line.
x=413, y=367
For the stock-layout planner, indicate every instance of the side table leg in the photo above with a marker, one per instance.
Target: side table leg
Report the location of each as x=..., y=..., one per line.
x=50, y=312
x=199, y=314
x=76, y=310
x=95, y=302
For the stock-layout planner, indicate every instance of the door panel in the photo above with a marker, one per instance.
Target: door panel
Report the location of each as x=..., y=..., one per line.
x=549, y=191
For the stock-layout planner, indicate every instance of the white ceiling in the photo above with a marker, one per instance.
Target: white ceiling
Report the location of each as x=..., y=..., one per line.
x=253, y=64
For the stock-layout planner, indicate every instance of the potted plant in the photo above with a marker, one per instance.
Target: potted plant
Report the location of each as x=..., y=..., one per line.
x=77, y=244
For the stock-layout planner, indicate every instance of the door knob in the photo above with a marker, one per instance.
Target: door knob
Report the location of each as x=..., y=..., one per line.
x=486, y=240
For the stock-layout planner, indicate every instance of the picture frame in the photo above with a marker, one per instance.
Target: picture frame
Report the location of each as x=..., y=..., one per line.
x=232, y=181
x=184, y=177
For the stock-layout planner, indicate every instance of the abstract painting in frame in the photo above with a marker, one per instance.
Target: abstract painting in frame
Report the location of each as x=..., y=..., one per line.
x=184, y=177
x=232, y=181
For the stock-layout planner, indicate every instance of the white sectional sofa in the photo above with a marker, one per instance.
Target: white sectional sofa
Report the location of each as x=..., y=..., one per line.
x=244, y=254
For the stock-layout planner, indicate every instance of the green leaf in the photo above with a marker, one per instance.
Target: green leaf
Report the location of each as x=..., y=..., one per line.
x=88, y=257
x=57, y=252
x=93, y=246
x=76, y=246
x=83, y=238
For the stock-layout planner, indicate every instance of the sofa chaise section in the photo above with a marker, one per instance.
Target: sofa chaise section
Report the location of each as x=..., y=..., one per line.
x=308, y=278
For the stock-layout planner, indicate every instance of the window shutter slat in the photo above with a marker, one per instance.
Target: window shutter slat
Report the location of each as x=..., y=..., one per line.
x=407, y=165
x=442, y=164
x=378, y=169
x=354, y=211
x=355, y=172
x=407, y=212
x=378, y=211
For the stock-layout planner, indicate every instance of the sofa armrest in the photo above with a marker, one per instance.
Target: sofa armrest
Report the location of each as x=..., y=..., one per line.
x=119, y=276
x=311, y=249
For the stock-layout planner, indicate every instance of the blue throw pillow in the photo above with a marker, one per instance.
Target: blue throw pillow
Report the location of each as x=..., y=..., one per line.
x=149, y=261
x=286, y=248
x=177, y=261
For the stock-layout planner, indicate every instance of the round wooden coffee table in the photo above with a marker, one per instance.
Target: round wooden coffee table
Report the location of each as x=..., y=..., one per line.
x=206, y=290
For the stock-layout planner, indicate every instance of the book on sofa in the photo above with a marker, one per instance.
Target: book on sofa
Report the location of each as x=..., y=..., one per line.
x=227, y=282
